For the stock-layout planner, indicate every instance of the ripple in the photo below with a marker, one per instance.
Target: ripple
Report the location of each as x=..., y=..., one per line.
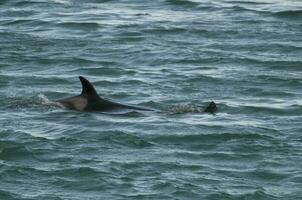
x=159, y=30
x=182, y=3
x=277, y=110
x=8, y=195
x=268, y=175
x=28, y=3
x=257, y=194
x=78, y=171
x=248, y=2
x=129, y=140
x=14, y=151
x=243, y=54
x=39, y=101
x=80, y=25
x=191, y=139
x=289, y=14
x=105, y=71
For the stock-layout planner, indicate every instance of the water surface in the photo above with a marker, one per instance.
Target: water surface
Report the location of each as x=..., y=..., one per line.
x=172, y=55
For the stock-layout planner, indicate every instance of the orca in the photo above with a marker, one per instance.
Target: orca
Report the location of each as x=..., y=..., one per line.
x=89, y=100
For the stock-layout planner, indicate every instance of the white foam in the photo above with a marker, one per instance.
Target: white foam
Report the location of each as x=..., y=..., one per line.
x=43, y=100
x=185, y=108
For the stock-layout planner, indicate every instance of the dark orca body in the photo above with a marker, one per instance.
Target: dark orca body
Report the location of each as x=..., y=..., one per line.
x=89, y=100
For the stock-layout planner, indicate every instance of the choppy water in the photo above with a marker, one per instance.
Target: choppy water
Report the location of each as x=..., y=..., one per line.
x=172, y=55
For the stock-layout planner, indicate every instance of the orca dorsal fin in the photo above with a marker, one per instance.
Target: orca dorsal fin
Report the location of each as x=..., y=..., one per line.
x=87, y=88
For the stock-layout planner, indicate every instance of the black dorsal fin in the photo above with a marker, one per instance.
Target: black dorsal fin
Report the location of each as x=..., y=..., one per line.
x=87, y=88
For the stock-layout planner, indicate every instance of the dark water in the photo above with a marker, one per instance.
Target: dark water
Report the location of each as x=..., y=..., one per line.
x=172, y=55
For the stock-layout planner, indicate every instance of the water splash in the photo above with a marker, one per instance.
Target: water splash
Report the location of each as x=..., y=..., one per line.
x=37, y=101
x=41, y=99
x=185, y=108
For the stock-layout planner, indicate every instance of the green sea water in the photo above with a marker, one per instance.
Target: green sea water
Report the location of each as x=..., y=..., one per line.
x=170, y=55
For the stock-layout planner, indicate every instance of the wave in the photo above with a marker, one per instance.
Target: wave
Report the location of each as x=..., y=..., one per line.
x=293, y=110
x=241, y=9
x=80, y=25
x=182, y=3
x=8, y=195
x=126, y=114
x=267, y=93
x=29, y=22
x=197, y=138
x=23, y=3
x=31, y=3
x=194, y=5
x=127, y=139
x=290, y=14
x=38, y=101
x=253, y=108
x=3, y=2
x=14, y=151
x=160, y=29
x=76, y=171
x=112, y=137
x=273, y=64
x=257, y=194
x=18, y=21
x=109, y=71
x=247, y=2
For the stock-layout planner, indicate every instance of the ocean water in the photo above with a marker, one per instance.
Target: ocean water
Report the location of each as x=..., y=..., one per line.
x=172, y=55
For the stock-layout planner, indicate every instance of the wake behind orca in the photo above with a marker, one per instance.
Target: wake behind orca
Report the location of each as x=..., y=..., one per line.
x=89, y=100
